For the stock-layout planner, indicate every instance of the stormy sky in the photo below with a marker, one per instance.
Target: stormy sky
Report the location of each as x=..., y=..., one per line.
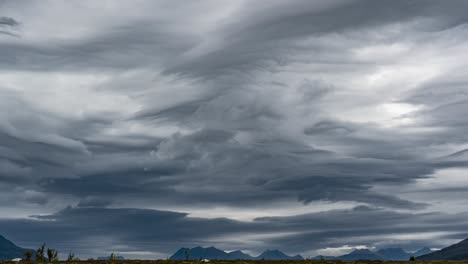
x=313, y=127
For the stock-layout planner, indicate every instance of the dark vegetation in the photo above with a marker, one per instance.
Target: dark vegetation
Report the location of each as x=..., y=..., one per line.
x=92, y=261
x=43, y=254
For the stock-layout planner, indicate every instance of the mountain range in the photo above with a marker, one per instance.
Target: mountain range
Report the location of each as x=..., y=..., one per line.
x=382, y=254
x=214, y=253
x=457, y=251
x=8, y=250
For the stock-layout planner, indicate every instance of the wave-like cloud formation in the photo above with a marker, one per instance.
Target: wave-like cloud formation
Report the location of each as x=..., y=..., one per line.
x=273, y=111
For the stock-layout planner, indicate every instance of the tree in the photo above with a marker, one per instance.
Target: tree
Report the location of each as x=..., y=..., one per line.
x=187, y=253
x=112, y=256
x=412, y=258
x=71, y=257
x=40, y=253
x=27, y=255
x=52, y=255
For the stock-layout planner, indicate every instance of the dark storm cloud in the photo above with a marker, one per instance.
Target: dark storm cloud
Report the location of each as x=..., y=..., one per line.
x=255, y=105
x=266, y=172
x=123, y=47
x=8, y=25
x=8, y=21
x=364, y=225
x=164, y=231
x=141, y=229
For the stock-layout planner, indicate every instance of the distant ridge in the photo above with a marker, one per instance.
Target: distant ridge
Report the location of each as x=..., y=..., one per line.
x=214, y=253
x=393, y=254
x=200, y=253
x=382, y=254
x=457, y=251
x=360, y=254
x=277, y=255
x=422, y=251
x=239, y=255
x=8, y=250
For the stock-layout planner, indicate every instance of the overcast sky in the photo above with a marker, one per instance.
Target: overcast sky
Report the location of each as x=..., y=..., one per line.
x=313, y=127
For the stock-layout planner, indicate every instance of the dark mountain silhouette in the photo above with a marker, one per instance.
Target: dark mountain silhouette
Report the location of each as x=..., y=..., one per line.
x=457, y=251
x=208, y=253
x=277, y=255
x=393, y=254
x=8, y=250
x=180, y=254
x=239, y=255
x=360, y=254
x=422, y=251
x=199, y=253
x=382, y=254
x=214, y=253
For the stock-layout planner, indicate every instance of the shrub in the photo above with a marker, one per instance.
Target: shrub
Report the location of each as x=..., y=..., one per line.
x=52, y=255
x=27, y=255
x=71, y=257
x=40, y=253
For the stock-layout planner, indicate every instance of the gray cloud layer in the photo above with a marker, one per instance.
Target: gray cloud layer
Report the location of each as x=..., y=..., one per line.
x=254, y=121
x=133, y=230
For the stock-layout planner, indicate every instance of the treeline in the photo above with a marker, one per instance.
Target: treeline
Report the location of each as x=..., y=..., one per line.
x=49, y=255
x=46, y=255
